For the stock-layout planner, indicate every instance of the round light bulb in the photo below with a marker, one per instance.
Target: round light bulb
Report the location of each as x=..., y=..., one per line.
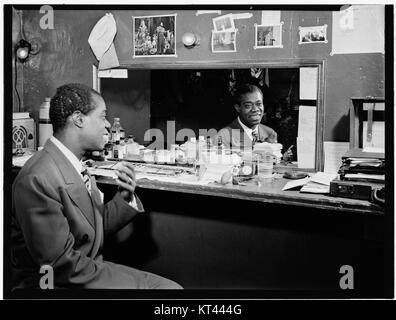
x=22, y=53
x=188, y=39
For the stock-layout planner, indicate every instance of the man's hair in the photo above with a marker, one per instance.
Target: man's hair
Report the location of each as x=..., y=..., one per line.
x=67, y=99
x=243, y=89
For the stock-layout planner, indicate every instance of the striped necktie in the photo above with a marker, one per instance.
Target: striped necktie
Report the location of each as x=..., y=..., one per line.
x=254, y=137
x=86, y=179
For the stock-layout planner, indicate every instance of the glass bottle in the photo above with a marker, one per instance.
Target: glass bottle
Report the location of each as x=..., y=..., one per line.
x=116, y=130
x=122, y=147
x=191, y=150
x=132, y=147
x=220, y=149
x=200, y=148
x=117, y=151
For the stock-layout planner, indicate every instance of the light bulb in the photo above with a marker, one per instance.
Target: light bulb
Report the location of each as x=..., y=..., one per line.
x=22, y=53
x=23, y=49
x=190, y=40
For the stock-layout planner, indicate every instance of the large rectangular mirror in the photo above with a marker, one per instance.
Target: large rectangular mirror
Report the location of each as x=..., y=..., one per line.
x=199, y=97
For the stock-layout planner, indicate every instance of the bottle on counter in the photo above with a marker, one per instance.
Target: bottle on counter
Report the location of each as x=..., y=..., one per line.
x=200, y=148
x=108, y=151
x=45, y=125
x=173, y=153
x=209, y=144
x=191, y=150
x=220, y=146
x=132, y=147
x=123, y=146
x=118, y=150
x=116, y=130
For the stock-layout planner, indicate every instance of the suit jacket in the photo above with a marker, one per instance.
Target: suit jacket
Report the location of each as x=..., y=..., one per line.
x=233, y=135
x=56, y=222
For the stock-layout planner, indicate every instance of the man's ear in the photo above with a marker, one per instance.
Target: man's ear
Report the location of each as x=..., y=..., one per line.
x=77, y=118
x=237, y=108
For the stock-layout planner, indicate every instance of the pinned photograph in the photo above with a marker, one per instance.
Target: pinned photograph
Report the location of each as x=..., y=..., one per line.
x=268, y=36
x=224, y=41
x=154, y=36
x=317, y=34
x=224, y=23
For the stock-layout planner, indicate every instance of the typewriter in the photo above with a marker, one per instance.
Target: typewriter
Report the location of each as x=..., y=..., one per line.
x=362, y=175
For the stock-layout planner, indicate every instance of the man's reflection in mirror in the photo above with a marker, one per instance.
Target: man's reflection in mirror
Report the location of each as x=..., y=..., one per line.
x=247, y=128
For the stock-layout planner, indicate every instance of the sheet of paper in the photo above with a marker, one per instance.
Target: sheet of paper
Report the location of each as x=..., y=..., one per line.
x=312, y=187
x=269, y=18
x=323, y=178
x=305, y=153
x=237, y=16
x=333, y=153
x=306, y=122
x=305, y=138
x=199, y=12
x=113, y=73
x=308, y=83
x=377, y=136
x=295, y=183
x=358, y=29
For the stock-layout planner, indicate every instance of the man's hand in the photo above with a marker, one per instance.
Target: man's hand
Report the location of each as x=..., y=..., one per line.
x=126, y=179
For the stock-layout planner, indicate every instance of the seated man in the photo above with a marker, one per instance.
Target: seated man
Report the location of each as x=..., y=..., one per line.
x=246, y=130
x=59, y=219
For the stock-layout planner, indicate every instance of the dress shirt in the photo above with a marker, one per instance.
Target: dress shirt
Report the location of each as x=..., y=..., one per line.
x=77, y=164
x=248, y=130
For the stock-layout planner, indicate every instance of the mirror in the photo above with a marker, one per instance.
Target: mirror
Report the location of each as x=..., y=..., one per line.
x=199, y=97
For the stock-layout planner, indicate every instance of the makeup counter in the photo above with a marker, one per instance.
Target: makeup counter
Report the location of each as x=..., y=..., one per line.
x=208, y=231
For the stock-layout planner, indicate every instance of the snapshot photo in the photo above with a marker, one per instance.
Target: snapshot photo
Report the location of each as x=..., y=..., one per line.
x=224, y=41
x=154, y=36
x=313, y=34
x=268, y=36
x=223, y=23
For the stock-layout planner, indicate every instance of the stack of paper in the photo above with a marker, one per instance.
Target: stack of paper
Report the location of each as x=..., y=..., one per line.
x=319, y=183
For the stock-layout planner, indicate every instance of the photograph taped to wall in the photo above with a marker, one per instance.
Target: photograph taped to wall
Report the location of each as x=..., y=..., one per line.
x=223, y=41
x=154, y=36
x=224, y=23
x=268, y=36
x=317, y=34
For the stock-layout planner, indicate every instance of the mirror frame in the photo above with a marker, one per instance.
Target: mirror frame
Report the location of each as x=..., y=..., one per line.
x=237, y=64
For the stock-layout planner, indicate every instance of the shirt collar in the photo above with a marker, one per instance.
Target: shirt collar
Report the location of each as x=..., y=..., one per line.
x=68, y=154
x=247, y=129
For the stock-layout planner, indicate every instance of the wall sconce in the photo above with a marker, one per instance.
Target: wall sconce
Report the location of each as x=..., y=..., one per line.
x=190, y=40
x=23, y=49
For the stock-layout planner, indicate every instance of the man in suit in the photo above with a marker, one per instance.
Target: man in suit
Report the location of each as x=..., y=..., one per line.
x=59, y=218
x=246, y=129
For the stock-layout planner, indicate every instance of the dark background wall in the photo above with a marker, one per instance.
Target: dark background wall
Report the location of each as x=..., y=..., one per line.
x=65, y=56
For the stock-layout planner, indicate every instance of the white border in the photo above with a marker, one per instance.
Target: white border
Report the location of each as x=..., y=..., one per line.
x=235, y=41
x=256, y=26
x=307, y=29
x=223, y=17
x=133, y=37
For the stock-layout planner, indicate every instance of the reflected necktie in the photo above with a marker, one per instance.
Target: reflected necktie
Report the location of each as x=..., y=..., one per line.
x=86, y=179
x=254, y=137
